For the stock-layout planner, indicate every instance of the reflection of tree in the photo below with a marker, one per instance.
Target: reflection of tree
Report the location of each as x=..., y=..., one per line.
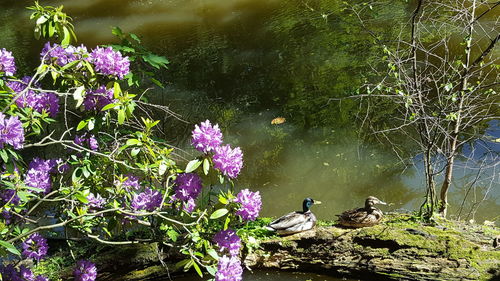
x=444, y=92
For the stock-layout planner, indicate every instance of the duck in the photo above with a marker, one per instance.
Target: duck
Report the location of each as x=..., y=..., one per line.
x=297, y=221
x=363, y=217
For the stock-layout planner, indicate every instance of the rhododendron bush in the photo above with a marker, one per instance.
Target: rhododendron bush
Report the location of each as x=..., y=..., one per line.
x=74, y=147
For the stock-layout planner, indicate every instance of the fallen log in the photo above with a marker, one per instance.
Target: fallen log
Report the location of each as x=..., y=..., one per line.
x=394, y=250
x=397, y=249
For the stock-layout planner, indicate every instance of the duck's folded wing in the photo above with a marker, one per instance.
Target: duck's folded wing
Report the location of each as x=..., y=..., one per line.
x=288, y=220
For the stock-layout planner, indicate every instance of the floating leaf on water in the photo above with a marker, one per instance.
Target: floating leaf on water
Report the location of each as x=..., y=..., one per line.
x=278, y=120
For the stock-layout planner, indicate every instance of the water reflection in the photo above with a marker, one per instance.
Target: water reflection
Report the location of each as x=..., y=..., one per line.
x=242, y=63
x=262, y=275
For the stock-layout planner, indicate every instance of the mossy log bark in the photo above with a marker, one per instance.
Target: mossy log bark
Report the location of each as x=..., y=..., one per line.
x=394, y=250
x=390, y=251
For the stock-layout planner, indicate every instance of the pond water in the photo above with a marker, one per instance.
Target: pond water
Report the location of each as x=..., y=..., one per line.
x=242, y=63
x=263, y=275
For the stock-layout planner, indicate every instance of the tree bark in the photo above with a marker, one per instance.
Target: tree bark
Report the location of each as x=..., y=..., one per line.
x=456, y=129
x=380, y=253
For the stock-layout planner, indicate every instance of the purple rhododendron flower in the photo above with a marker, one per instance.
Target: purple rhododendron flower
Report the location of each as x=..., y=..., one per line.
x=41, y=278
x=7, y=216
x=38, y=174
x=95, y=201
x=58, y=166
x=19, y=86
x=251, y=203
x=26, y=273
x=87, y=140
x=228, y=239
x=9, y=195
x=187, y=185
x=110, y=62
x=97, y=99
x=11, y=132
x=38, y=179
x=55, y=53
x=147, y=200
x=229, y=269
x=129, y=184
x=7, y=63
x=85, y=271
x=35, y=247
x=206, y=138
x=39, y=101
x=9, y=272
x=62, y=56
x=189, y=205
x=228, y=161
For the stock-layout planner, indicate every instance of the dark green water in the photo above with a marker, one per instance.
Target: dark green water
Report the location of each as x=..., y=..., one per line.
x=263, y=275
x=242, y=63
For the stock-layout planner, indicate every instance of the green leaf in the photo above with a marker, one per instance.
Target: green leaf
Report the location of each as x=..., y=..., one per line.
x=81, y=198
x=133, y=142
x=68, y=65
x=157, y=83
x=91, y=123
x=192, y=165
x=35, y=189
x=121, y=116
x=155, y=60
x=41, y=20
x=10, y=247
x=133, y=36
x=197, y=268
x=213, y=254
x=135, y=151
x=212, y=270
x=66, y=37
x=117, y=31
x=78, y=95
x=222, y=199
x=162, y=168
x=116, y=90
x=4, y=155
x=86, y=172
x=172, y=234
x=226, y=223
x=89, y=67
x=219, y=213
x=206, y=166
x=24, y=196
x=109, y=106
x=77, y=174
x=81, y=125
x=182, y=263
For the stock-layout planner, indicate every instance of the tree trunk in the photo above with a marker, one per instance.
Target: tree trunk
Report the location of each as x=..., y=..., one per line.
x=456, y=129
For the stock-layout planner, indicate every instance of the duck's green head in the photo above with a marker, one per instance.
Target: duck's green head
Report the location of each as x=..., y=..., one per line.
x=308, y=202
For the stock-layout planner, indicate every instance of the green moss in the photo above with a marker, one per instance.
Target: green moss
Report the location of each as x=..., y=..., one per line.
x=52, y=267
x=143, y=273
x=445, y=241
x=325, y=223
x=491, y=231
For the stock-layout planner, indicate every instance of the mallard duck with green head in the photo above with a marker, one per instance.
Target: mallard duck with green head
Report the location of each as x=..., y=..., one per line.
x=363, y=217
x=297, y=221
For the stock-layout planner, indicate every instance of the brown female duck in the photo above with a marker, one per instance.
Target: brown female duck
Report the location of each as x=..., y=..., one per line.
x=362, y=217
